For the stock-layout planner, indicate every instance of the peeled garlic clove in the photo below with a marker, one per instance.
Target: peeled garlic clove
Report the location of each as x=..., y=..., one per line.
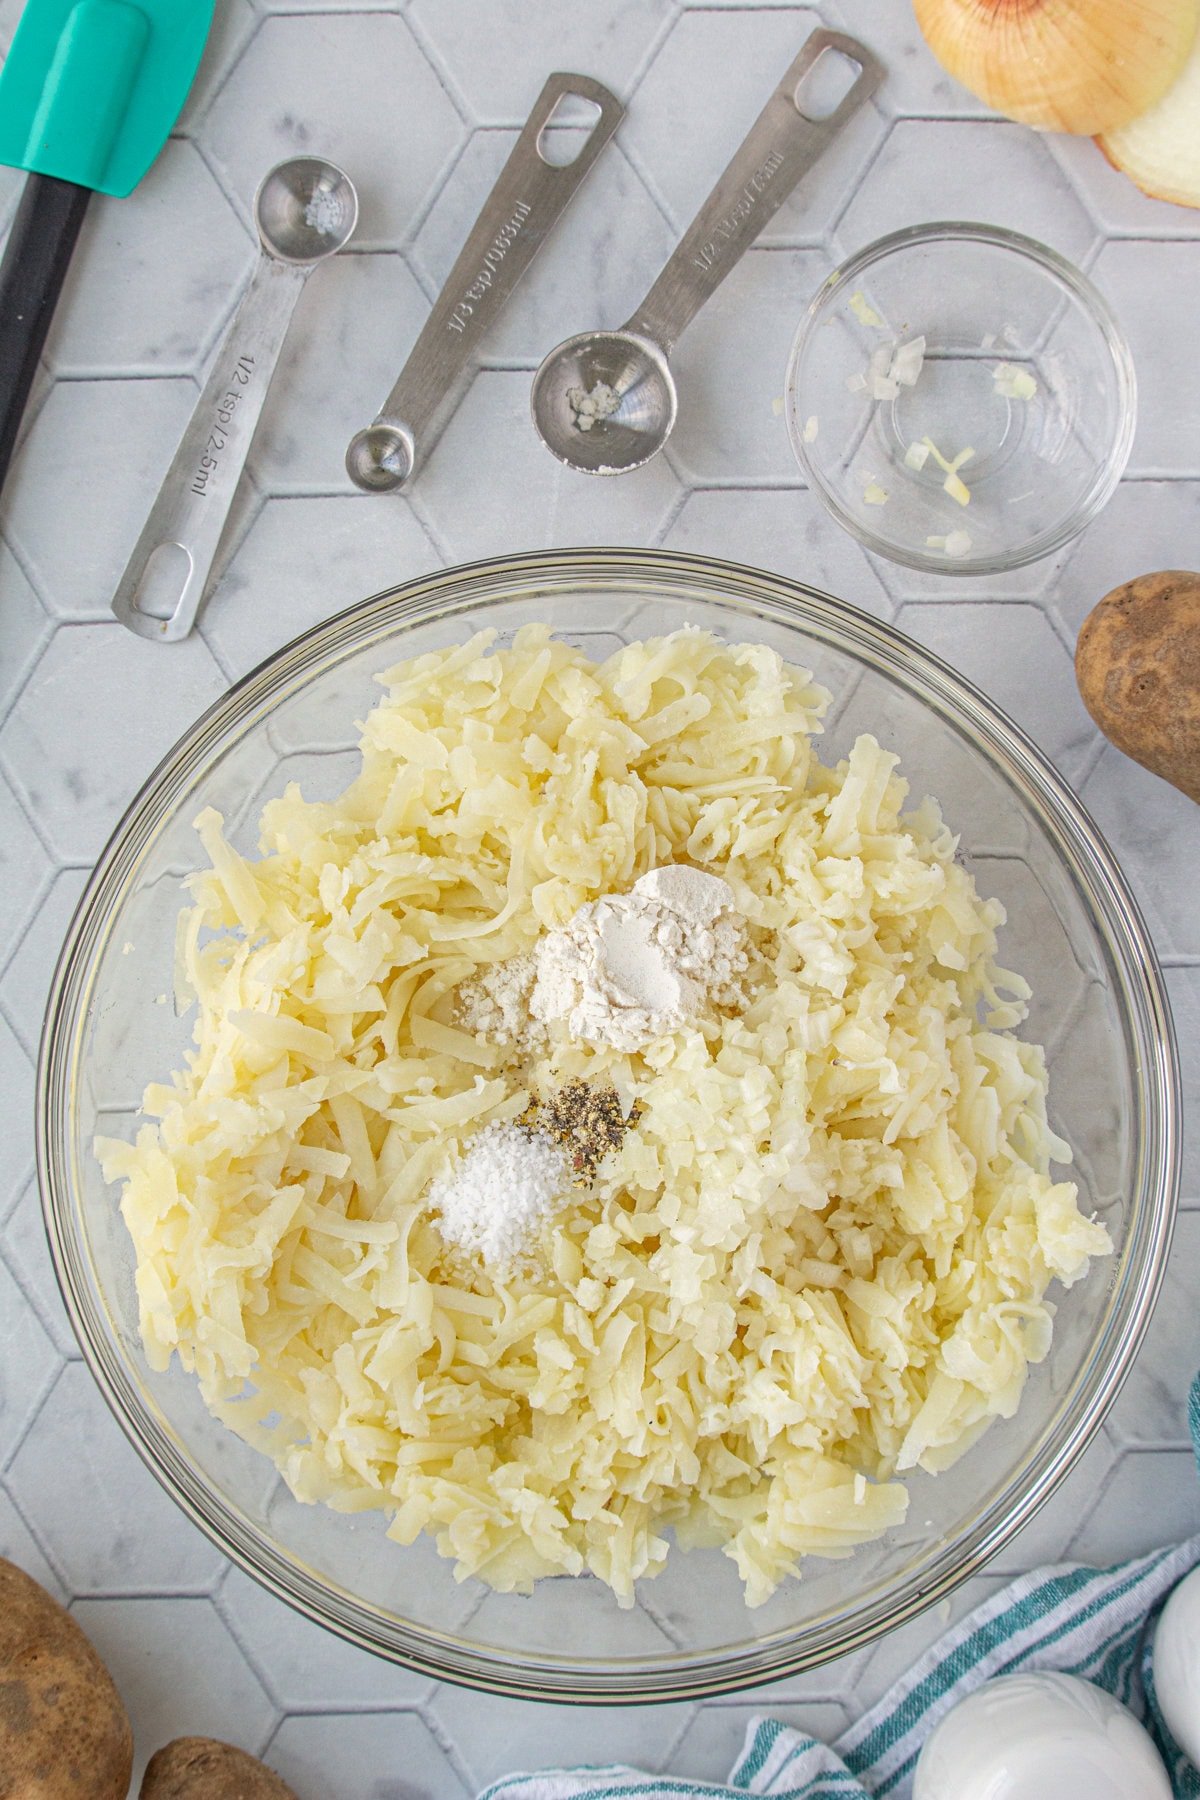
x=1160, y=151
x=1085, y=66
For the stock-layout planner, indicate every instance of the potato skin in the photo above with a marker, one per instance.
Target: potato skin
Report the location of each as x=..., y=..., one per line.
x=200, y=1768
x=64, y=1732
x=1137, y=663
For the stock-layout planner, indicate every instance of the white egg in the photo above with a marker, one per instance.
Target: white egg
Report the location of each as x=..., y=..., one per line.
x=1024, y=1737
x=1177, y=1665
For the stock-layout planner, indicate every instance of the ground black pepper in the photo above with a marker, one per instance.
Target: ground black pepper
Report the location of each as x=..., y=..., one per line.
x=587, y=1121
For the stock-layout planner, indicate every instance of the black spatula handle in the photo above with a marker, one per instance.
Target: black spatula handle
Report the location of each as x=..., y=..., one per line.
x=31, y=276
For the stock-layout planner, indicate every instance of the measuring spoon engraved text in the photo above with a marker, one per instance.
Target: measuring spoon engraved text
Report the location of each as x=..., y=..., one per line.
x=529, y=196
x=605, y=401
x=305, y=210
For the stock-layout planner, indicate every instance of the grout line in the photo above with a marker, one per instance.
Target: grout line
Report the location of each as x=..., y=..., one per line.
x=25, y=921
x=676, y=12
x=1087, y=767
x=191, y=132
x=25, y=1183
x=224, y=668
x=228, y=1618
x=105, y=376
x=233, y=199
x=669, y=1750
x=43, y=1545
x=427, y=288
x=202, y=1596
x=666, y=524
x=6, y=1018
x=29, y=1292
x=438, y=67
x=341, y=1709
x=736, y=484
x=1147, y=473
x=52, y=1381
x=237, y=527
x=437, y=188
x=445, y=1741
x=869, y=163
x=421, y=514
x=41, y=388
x=1058, y=626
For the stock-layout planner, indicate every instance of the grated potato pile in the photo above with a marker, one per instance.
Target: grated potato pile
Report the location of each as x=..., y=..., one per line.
x=819, y=1261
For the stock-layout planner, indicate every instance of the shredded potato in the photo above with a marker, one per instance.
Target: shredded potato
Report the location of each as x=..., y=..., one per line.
x=818, y=1263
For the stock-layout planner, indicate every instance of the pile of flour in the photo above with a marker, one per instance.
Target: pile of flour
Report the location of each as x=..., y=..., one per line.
x=626, y=969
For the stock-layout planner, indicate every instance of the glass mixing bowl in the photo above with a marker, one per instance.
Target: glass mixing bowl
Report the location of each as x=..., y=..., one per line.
x=1098, y=1006
x=1024, y=366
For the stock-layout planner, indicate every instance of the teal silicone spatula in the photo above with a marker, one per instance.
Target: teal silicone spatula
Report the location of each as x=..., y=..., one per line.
x=88, y=95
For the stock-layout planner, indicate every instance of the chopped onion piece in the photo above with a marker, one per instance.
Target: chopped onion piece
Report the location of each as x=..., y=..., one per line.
x=864, y=312
x=950, y=467
x=958, y=543
x=809, y=433
x=874, y=495
x=890, y=369
x=1012, y=383
x=987, y=341
x=908, y=362
x=957, y=488
x=936, y=542
x=916, y=456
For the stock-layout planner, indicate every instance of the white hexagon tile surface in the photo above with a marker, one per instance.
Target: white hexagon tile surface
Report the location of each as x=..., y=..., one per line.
x=420, y=99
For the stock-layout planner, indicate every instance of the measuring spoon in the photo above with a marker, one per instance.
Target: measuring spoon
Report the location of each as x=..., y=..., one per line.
x=529, y=196
x=605, y=401
x=305, y=210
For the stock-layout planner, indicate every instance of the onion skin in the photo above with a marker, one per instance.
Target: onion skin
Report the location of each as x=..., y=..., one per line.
x=1079, y=66
x=1137, y=663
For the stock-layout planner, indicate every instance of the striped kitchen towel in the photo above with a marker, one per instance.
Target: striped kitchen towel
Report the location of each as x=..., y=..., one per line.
x=1098, y=1623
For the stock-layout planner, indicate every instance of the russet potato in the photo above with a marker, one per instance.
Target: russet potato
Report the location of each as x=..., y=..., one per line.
x=200, y=1768
x=1137, y=663
x=64, y=1732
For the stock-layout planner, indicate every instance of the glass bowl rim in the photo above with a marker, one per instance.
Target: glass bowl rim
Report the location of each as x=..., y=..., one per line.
x=1082, y=288
x=450, y=593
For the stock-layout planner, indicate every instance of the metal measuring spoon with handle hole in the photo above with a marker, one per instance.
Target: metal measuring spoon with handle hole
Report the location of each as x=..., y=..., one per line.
x=529, y=196
x=305, y=210
x=605, y=401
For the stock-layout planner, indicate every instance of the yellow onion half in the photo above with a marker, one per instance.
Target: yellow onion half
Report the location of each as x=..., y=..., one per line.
x=1085, y=66
x=1161, y=149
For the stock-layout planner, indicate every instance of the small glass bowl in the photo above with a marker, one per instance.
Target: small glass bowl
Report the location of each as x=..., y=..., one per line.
x=1024, y=365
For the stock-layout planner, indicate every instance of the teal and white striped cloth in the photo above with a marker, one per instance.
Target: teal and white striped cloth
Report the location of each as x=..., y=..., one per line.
x=1098, y=1623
